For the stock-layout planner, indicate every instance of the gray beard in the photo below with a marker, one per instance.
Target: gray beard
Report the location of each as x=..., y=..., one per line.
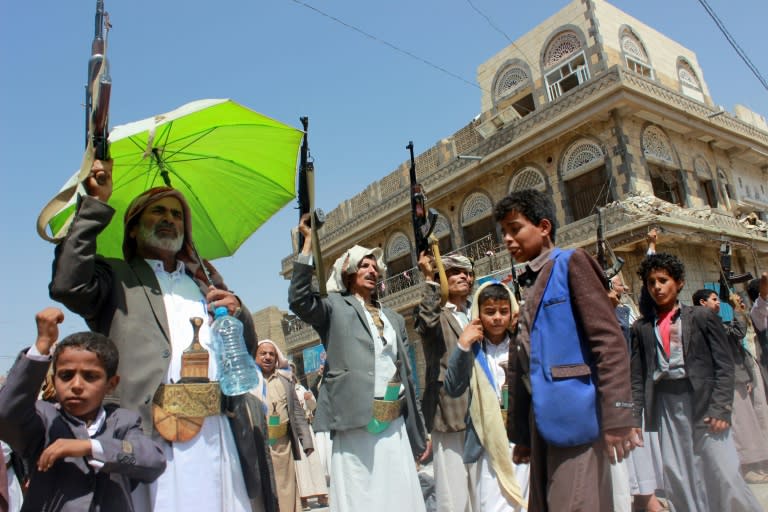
x=151, y=239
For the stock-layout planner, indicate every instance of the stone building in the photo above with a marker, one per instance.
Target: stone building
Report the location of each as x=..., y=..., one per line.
x=598, y=110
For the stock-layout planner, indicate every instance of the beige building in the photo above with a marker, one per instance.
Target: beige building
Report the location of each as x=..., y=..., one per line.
x=597, y=109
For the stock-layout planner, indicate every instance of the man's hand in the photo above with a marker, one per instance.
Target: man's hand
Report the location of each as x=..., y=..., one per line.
x=217, y=298
x=99, y=183
x=652, y=238
x=48, y=321
x=427, y=265
x=305, y=228
x=61, y=448
x=308, y=395
x=521, y=454
x=716, y=425
x=472, y=333
x=427, y=452
x=618, y=442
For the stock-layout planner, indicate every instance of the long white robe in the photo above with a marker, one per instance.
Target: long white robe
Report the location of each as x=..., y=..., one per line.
x=376, y=472
x=203, y=473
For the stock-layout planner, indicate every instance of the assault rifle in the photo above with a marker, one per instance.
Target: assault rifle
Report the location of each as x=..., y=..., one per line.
x=727, y=277
x=424, y=222
x=610, y=271
x=306, y=199
x=98, y=88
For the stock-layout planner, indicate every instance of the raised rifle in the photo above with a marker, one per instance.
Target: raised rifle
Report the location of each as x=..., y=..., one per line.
x=424, y=222
x=306, y=199
x=612, y=269
x=727, y=277
x=98, y=88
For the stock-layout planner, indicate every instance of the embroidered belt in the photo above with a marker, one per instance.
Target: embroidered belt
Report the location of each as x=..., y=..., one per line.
x=276, y=432
x=387, y=410
x=178, y=410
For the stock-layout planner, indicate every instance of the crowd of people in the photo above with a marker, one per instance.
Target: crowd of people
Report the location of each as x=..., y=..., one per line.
x=555, y=393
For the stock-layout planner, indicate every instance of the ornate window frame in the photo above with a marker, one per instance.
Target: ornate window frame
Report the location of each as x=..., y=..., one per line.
x=634, y=52
x=528, y=177
x=398, y=246
x=564, y=60
x=657, y=147
x=580, y=157
x=477, y=205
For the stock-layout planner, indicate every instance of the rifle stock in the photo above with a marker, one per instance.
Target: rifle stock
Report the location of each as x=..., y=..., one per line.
x=424, y=221
x=98, y=88
x=612, y=270
x=306, y=200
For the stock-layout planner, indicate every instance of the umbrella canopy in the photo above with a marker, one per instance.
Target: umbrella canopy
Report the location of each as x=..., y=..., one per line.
x=235, y=167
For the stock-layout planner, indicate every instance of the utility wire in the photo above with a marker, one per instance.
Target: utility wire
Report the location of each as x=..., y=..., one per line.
x=487, y=19
x=387, y=43
x=733, y=43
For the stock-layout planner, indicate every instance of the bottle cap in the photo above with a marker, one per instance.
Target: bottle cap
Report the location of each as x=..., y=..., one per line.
x=220, y=311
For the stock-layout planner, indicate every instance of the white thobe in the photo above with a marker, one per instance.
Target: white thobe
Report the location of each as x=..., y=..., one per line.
x=203, y=473
x=376, y=472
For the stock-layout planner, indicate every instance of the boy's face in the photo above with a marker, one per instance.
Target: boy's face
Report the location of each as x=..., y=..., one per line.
x=495, y=316
x=524, y=239
x=81, y=383
x=712, y=302
x=663, y=288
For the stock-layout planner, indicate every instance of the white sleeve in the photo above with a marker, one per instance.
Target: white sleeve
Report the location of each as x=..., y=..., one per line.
x=759, y=314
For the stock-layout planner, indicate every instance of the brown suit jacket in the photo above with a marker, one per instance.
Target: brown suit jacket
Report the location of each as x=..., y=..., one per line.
x=440, y=333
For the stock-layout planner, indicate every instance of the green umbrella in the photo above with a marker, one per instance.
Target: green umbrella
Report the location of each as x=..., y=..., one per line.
x=235, y=166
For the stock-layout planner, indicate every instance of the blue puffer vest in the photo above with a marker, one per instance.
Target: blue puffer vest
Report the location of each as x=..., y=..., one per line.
x=562, y=378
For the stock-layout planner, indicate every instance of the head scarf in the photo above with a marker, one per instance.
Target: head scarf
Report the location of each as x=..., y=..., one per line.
x=348, y=264
x=457, y=261
x=485, y=284
x=187, y=253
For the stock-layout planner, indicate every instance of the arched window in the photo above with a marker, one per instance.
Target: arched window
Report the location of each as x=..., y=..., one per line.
x=442, y=232
x=690, y=85
x=634, y=53
x=477, y=217
x=398, y=254
x=566, y=55
x=512, y=79
x=587, y=183
x=666, y=179
x=527, y=177
x=705, y=179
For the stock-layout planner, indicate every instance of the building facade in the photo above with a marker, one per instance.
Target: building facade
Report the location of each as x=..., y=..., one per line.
x=600, y=111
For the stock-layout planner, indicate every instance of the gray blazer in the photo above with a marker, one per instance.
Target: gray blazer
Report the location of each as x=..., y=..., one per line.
x=121, y=300
x=460, y=367
x=347, y=390
x=29, y=425
x=298, y=428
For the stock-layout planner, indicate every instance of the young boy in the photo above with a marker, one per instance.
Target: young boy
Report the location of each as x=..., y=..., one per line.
x=85, y=455
x=570, y=408
x=682, y=378
x=479, y=363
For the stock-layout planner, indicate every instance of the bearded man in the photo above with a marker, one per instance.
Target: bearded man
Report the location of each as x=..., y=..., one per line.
x=144, y=303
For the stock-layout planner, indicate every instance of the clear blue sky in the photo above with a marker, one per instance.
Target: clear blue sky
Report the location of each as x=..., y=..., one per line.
x=364, y=99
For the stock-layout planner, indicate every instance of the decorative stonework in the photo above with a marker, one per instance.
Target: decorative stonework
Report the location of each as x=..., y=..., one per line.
x=391, y=184
x=477, y=206
x=528, y=177
x=632, y=46
x=511, y=80
x=701, y=168
x=398, y=245
x=579, y=155
x=442, y=227
x=687, y=75
x=656, y=145
x=562, y=46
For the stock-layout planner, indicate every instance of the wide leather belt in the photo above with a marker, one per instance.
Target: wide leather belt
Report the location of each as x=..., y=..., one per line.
x=277, y=432
x=387, y=410
x=178, y=410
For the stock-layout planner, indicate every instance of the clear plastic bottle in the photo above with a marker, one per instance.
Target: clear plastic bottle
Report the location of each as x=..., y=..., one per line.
x=237, y=369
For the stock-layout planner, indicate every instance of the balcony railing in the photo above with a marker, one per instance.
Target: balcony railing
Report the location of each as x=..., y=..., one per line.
x=485, y=247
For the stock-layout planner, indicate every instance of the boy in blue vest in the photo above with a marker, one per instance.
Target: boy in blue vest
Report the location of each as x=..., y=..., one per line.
x=570, y=406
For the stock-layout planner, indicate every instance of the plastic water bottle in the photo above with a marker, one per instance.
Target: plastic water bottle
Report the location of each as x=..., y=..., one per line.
x=237, y=369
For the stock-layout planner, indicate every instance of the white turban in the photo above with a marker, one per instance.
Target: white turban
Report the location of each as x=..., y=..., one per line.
x=349, y=262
